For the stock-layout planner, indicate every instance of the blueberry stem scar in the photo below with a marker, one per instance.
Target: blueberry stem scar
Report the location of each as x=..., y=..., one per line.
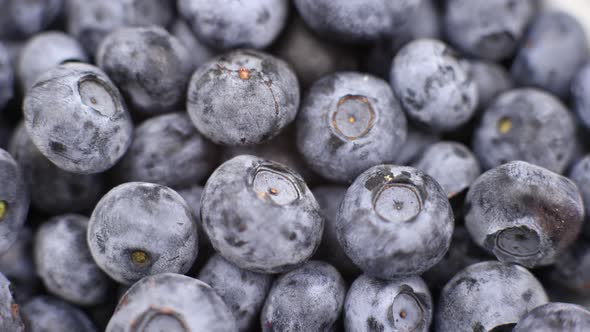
x=3, y=207
x=352, y=119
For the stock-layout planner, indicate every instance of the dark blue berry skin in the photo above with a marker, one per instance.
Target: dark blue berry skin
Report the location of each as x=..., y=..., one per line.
x=487, y=29
x=528, y=125
x=52, y=189
x=242, y=291
x=139, y=229
x=355, y=20
x=572, y=270
x=435, y=90
x=150, y=66
x=167, y=150
x=227, y=24
x=48, y=314
x=14, y=200
x=402, y=304
x=9, y=310
x=490, y=78
x=552, y=53
x=6, y=77
x=200, y=53
x=21, y=19
x=309, y=298
x=91, y=20
x=349, y=122
x=171, y=302
x=580, y=91
x=395, y=221
x=555, y=317
x=243, y=97
x=17, y=265
x=579, y=173
x=508, y=215
x=417, y=141
x=77, y=119
x=486, y=296
x=247, y=202
x=65, y=266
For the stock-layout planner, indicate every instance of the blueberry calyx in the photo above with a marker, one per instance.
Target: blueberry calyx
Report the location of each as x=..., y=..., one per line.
x=354, y=117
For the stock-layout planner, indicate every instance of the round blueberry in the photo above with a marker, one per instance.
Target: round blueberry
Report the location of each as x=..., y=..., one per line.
x=490, y=78
x=171, y=302
x=395, y=221
x=309, y=298
x=6, y=77
x=243, y=97
x=17, y=265
x=77, y=119
x=402, y=304
x=417, y=141
x=488, y=296
x=435, y=90
x=555, y=317
x=9, y=310
x=226, y=24
x=242, y=291
x=21, y=19
x=139, y=229
x=528, y=125
x=44, y=313
x=580, y=175
x=260, y=215
x=167, y=150
x=14, y=200
x=199, y=52
x=580, y=91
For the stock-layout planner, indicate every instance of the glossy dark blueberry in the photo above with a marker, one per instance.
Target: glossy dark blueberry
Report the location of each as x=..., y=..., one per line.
x=435, y=90
x=17, y=265
x=417, y=141
x=48, y=314
x=76, y=117
x=45, y=51
x=260, y=215
x=199, y=52
x=64, y=264
x=9, y=310
x=580, y=91
x=395, y=221
x=349, y=122
x=528, y=125
x=139, y=229
x=6, y=77
x=488, y=296
x=572, y=270
x=402, y=304
x=21, y=19
x=580, y=174
x=227, y=24
x=451, y=164
x=309, y=298
x=52, y=189
x=490, y=78
x=91, y=20
x=243, y=97
x=242, y=291
x=171, y=302
x=487, y=29
x=14, y=200
x=555, y=317
x=552, y=53
x=168, y=150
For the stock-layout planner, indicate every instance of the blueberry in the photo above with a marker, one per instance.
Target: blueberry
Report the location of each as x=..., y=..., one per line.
x=260, y=215
x=171, y=302
x=309, y=298
x=64, y=263
x=580, y=175
x=395, y=221
x=21, y=19
x=488, y=296
x=45, y=51
x=243, y=97
x=555, y=317
x=242, y=291
x=553, y=52
x=572, y=270
x=199, y=52
x=402, y=304
x=330, y=250
x=48, y=314
x=77, y=119
x=227, y=24
x=434, y=89
x=168, y=150
x=139, y=229
x=14, y=200
x=451, y=164
x=349, y=122
x=91, y=20
x=192, y=196
x=580, y=91
x=507, y=213
x=488, y=29
x=6, y=77
x=150, y=66
x=417, y=141
x=52, y=189
x=529, y=125
x=17, y=265
x=9, y=310
x=490, y=78
x=357, y=20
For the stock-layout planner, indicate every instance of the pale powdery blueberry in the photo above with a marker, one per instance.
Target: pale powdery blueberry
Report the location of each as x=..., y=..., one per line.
x=199, y=52
x=9, y=310
x=398, y=305
x=21, y=19
x=555, y=317
x=580, y=174
x=171, y=302
x=490, y=78
x=580, y=91
x=18, y=266
x=77, y=119
x=139, y=229
x=14, y=200
x=48, y=314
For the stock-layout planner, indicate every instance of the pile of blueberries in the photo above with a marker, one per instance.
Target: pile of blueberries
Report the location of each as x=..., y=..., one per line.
x=293, y=165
